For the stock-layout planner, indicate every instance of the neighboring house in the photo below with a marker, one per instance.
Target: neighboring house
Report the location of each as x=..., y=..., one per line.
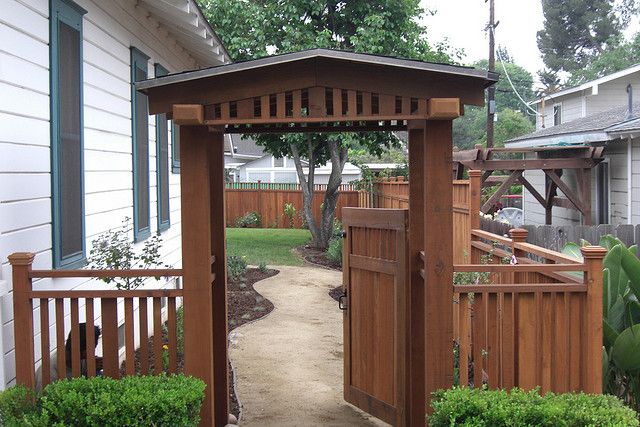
x=595, y=113
x=247, y=162
x=78, y=150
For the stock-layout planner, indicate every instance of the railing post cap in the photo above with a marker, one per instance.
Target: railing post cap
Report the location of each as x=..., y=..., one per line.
x=21, y=258
x=519, y=234
x=475, y=173
x=593, y=252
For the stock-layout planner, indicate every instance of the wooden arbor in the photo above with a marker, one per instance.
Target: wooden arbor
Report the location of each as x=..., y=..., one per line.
x=553, y=161
x=318, y=91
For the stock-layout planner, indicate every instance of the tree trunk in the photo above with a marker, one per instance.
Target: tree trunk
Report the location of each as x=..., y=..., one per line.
x=321, y=231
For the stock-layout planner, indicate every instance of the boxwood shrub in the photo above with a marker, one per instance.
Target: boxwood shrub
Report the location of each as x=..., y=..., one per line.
x=162, y=400
x=496, y=408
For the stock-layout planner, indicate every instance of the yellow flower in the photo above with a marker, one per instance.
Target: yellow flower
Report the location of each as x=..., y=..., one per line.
x=166, y=347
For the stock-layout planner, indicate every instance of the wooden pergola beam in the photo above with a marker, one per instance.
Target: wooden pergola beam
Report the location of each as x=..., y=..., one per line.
x=515, y=175
x=573, y=197
x=532, y=164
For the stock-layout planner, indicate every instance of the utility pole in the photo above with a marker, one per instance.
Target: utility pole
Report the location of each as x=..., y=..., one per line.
x=491, y=92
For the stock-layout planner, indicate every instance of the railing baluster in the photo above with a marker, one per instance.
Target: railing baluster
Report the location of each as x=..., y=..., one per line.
x=44, y=341
x=91, y=337
x=173, y=338
x=493, y=343
x=508, y=351
x=75, y=339
x=157, y=336
x=479, y=335
x=144, y=336
x=110, y=337
x=129, y=340
x=463, y=364
x=60, y=340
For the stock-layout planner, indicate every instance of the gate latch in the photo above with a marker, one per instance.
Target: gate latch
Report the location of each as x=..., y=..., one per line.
x=342, y=301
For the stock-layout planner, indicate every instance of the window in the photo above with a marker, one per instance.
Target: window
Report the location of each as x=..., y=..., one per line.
x=140, y=132
x=175, y=148
x=557, y=114
x=602, y=193
x=162, y=162
x=67, y=171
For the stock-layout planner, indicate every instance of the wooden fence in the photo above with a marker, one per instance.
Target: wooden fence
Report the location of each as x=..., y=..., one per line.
x=270, y=203
x=54, y=305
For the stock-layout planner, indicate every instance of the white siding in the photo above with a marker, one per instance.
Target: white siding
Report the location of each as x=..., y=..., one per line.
x=635, y=204
x=110, y=28
x=613, y=94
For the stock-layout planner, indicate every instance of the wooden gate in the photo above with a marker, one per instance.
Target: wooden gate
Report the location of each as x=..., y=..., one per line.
x=375, y=266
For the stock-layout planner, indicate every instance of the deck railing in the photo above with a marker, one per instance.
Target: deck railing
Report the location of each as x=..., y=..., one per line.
x=55, y=305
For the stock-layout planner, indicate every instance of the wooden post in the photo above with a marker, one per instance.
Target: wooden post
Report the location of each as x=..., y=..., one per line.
x=475, y=195
x=438, y=249
x=416, y=401
x=196, y=261
x=23, y=318
x=518, y=235
x=219, y=269
x=593, y=256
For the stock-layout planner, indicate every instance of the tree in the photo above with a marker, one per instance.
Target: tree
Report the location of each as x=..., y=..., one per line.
x=470, y=129
x=522, y=81
x=388, y=27
x=576, y=31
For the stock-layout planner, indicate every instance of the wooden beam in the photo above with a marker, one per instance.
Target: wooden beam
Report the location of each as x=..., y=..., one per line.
x=529, y=164
x=368, y=126
x=523, y=180
x=219, y=269
x=416, y=402
x=196, y=261
x=515, y=175
x=443, y=108
x=188, y=114
x=573, y=197
x=584, y=187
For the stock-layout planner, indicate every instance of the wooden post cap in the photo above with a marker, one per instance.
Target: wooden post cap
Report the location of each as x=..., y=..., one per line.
x=475, y=173
x=591, y=252
x=21, y=258
x=519, y=234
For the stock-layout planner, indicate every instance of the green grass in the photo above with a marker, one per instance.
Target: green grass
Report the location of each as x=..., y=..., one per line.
x=270, y=245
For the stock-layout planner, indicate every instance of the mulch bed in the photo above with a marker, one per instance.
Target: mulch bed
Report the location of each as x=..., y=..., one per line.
x=244, y=305
x=317, y=257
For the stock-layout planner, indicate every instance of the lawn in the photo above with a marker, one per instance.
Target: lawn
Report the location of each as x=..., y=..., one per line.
x=270, y=245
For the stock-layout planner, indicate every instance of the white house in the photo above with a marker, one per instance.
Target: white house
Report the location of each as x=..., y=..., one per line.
x=78, y=150
x=597, y=113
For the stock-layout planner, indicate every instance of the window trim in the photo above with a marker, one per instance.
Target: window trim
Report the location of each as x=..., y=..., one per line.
x=137, y=59
x=160, y=71
x=71, y=14
x=559, y=107
x=175, y=161
x=598, y=190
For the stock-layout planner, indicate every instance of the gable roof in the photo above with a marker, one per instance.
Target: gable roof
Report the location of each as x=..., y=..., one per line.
x=184, y=20
x=592, y=84
x=603, y=126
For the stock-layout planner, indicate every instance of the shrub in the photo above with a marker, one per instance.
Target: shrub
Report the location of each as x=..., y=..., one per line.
x=476, y=407
x=262, y=266
x=290, y=213
x=250, y=219
x=18, y=405
x=236, y=266
x=334, y=251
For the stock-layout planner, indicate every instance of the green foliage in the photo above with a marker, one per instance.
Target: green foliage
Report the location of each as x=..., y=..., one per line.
x=497, y=408
x=114, y=250
x=334, y=251
x=162, y=400
x=180, y=329
x=236, y=266
x=521, y=79
x=273, y=246
x=262, y=266
x=471, y=128
x=250, y=219
x=290, y=213
x=621, y=318
x=575, y=32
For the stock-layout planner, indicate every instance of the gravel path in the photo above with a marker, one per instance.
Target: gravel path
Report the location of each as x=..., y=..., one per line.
x=289, y=364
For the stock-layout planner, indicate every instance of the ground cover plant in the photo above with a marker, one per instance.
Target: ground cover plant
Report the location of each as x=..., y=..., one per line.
x=271, y=246
x=163, y=400
x=497, y=408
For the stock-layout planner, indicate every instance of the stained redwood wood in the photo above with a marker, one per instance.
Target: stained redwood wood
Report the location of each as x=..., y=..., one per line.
x=517, y=268
x=75, y=338
x=593, y=321
x=110, y=337
x=103, y=274
x=173, y=337
x=443, y=108
x=143, y=316
x=44, y=342
x=465, y=341
x=91, y=337
x=196, y=257
x=107, y=293
x=188, y=114
x=479, y=338
x=508, y=343
x=60, y=337
x=527, y=350
x=157, y=336
x=129, y=337
x=493, y=341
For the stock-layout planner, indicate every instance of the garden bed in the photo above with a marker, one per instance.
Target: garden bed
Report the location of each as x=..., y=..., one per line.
x=244, y=305
x=317, y=257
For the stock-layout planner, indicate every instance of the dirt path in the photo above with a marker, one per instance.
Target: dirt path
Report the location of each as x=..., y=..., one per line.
x=289, y=364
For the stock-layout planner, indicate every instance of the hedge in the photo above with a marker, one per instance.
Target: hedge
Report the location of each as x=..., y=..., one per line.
x=162, y=400
x=496, y=408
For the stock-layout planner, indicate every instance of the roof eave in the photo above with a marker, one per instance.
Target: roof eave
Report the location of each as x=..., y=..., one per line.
x=569, y=138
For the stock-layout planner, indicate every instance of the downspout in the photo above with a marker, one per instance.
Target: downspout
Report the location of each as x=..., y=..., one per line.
x=629, y=180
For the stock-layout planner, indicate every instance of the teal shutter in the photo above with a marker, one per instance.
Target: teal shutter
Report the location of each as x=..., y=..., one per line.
x=162, y=163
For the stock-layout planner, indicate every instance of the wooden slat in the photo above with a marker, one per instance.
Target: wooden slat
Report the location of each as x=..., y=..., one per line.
x=508, y=342
x=372, y=264
x=91, y=337
x=546, y=253
x=492, y=237
x=144, y=336
x=366, y=104
x=337, y=102
x=44, y=342
x=479, y=338
x=129, y=337
x=527, y=351
x=297, y=103
x=84, y=293
x=518, y=268
x=351, y=112
x=157, y=336
x=264, y=107
x=110, y=337
x=464, y=342
x=60, y=338
x=522, y=288
x=75, y=338
x=104, y=274
x=493, y=341
x=172, y=332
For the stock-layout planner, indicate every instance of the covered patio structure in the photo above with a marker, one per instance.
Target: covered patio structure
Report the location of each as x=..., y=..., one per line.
x=322, y=91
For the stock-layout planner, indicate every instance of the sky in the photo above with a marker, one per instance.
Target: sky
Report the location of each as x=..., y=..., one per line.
x=463, y=23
